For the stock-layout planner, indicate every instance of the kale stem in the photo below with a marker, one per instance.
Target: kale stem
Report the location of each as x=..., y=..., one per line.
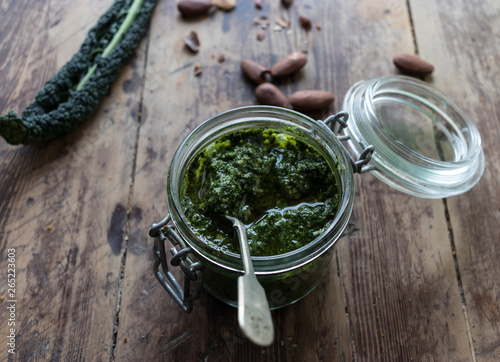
x=127, y=22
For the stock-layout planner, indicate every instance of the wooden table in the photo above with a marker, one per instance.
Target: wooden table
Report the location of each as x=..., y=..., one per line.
x=412, y=279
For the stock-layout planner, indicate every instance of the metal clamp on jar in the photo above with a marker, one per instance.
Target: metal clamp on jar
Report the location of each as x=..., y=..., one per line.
x=408, y=134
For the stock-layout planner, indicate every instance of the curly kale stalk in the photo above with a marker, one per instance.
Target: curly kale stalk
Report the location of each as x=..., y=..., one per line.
x=75, y=91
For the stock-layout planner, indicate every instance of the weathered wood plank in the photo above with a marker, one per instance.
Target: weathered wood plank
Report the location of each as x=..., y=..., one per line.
x=395, y=274
x=402, y=297
x=176, y=101
x=63, y=203
x=461, y=38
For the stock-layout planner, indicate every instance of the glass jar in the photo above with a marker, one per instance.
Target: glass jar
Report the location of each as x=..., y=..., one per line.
x=407, y=133
x=425, y=144
x=287, y=277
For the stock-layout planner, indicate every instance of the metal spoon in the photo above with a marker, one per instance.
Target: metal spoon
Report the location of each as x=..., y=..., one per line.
x=254, y=316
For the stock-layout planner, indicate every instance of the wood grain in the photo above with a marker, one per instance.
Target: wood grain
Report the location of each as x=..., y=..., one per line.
x=411, y=279
x=153, y=325
x=64, y=203
x=401, y=290
x=472, y=30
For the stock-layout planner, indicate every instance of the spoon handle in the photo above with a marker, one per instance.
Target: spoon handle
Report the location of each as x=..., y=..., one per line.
x=254, y=316
x=245, y=249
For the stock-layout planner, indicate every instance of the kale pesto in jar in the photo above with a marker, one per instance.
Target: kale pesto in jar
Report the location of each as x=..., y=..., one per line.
x=278, y=185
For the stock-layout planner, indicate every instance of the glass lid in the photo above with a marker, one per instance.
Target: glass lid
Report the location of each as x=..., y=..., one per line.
x=425, y=145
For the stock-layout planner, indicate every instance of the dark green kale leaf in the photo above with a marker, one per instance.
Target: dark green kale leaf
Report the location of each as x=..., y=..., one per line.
x=75, y=91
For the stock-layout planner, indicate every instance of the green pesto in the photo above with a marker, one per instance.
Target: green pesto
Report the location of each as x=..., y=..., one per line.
x=279, y=186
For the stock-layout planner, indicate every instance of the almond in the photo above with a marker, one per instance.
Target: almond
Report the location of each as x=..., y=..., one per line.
x=311, y=100
x=270, y=95
x=286, y=3
x=289, y=64
x=191, y=8
x=412, y=65
x=255, y=71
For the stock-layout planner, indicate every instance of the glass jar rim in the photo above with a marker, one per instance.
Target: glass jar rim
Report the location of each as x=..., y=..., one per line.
x=405, y=168
x=315, y=132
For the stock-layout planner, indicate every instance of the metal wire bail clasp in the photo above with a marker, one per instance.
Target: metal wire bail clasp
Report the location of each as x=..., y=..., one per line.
x=180, y=257
x=361, y=165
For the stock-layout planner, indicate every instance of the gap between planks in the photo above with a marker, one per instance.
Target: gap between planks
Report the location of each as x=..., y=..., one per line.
x=116, y=319
x=412, y=27
x=459, y=278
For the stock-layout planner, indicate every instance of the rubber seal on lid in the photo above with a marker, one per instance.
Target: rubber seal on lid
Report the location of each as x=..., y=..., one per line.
x=425, y=144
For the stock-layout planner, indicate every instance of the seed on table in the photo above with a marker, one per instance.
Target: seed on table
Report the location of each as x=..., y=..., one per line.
x=413, y=65
x=255, y=71
x=311, y=100
x=289, y=64
x=192, y=42
x=305, y=22
x=192, y=8
x=270, y=95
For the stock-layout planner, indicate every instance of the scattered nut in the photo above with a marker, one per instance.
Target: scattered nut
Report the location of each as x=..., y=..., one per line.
x=221, y=58
x=286, y=3
x=191, y=8
x=318, y=27
x=192, y=42
x=410, y=64
x=258, y=4
x=289, y=64
x=305, y=22
x=198, y=69
x=311, y=100
x=261, y=36
x=255, y=71
x=269, y=94
x=226, y=5
x=49, y=227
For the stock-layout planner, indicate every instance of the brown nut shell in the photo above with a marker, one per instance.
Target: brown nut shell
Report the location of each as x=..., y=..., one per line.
x=270, y=95
x=192, y=42
x=255, y=71
x=305, y=22
x=412, y=65
x=192, y=8
x=289, y=64
x=311, y=100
